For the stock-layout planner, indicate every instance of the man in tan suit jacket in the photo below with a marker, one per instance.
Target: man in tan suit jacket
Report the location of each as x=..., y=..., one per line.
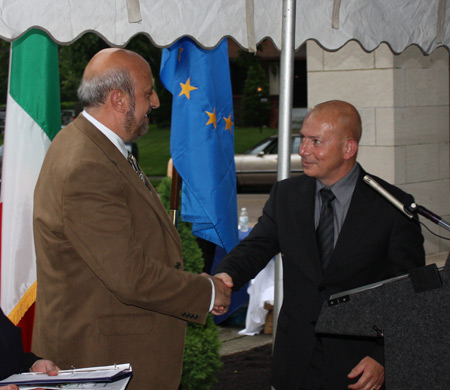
x=111, y=285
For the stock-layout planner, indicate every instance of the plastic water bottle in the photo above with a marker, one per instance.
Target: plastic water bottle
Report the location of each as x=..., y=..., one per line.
x=243, y=220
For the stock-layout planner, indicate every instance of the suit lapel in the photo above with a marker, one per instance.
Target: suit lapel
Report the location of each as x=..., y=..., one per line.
x=127, y=171
x=303, y=208
x=359, y=216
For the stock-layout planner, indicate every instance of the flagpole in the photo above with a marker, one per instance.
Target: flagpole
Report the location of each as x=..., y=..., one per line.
x=175, y=196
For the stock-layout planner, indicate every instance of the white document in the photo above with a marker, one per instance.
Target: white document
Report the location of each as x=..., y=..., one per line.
x=120, y=384
x=105, y=375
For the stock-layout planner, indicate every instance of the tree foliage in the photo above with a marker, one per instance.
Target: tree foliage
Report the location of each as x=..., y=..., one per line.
x=74, y=58
x=255, y=100
x=4, y=69
x=72, y=61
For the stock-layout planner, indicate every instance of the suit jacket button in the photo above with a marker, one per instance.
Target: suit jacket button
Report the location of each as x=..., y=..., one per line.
x=322, y=287
x=178, y=265
x=313, y=323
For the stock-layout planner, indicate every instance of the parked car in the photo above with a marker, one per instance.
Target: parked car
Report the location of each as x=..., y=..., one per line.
x=258, y=165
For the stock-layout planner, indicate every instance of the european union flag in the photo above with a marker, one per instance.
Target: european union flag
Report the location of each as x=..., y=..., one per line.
x=202, y=138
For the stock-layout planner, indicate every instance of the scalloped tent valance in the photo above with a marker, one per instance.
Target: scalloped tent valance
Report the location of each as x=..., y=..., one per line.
x=331, y=23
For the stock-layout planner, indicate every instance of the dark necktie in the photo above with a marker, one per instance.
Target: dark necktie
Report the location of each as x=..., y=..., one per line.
x=132, y=160
x=325, y=230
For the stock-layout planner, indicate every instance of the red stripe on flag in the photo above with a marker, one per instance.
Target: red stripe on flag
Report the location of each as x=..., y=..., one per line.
x=26, y=324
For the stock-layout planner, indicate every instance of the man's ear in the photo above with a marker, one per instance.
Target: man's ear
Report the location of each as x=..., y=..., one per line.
x=351, y=147
x=118, y=100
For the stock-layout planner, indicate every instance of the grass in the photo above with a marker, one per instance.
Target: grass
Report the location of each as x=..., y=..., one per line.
x=154, y=147
x=154, y=151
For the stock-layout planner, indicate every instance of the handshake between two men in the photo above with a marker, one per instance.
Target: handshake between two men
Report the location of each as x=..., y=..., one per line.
x=222, y=285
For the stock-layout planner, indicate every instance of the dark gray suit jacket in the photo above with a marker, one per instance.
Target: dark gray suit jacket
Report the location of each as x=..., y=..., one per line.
x=376, y=242
x=12, y=358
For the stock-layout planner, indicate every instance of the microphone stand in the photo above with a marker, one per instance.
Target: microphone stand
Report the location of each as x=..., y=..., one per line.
x=410, y=211
x=417, y=209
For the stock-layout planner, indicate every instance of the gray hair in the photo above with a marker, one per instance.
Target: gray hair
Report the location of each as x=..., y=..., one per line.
x=93, y=92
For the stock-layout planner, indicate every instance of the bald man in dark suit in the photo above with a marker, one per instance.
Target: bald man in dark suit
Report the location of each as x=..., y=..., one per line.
x=369, y=241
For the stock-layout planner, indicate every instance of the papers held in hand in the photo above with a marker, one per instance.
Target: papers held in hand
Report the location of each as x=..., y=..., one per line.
x=104, y=374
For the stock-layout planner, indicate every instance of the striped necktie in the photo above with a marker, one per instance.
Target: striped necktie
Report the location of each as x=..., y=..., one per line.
x=325, y=230
x=132, y=160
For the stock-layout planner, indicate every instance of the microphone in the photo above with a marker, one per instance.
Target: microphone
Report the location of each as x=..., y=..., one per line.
x=410, y=210
x=371, y=182
x=430, y=215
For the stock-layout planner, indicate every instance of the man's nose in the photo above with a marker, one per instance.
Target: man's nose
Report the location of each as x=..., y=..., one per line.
x=154, y=100
x=303, y=148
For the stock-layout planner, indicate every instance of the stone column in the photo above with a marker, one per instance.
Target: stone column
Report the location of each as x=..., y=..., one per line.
x=404, y=105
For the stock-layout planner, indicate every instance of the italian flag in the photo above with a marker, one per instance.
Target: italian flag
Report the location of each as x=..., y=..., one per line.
x=33, y=117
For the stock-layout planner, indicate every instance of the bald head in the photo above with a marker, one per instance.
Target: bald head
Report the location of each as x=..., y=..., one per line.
x=329, y=141
x=342, y=116
x=108, y=70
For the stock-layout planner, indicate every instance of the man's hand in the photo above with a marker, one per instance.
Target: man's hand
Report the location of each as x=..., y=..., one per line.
x=41, y=365
x=45, y=366
x=372, y=375
x=222, y=298
x=222, y=279
x=225, y=278
x=223, y=293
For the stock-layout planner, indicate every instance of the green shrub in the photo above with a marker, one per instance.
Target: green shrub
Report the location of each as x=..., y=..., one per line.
x=68, y=105
x=201, y=354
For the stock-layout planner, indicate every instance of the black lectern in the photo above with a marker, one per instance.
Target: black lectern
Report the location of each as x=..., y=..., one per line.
x=412, y=314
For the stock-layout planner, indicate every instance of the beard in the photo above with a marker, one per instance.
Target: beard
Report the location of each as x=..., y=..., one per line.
x=133, y=129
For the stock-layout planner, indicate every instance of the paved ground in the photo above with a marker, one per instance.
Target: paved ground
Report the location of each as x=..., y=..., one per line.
x=232, y=342
x=254, y=204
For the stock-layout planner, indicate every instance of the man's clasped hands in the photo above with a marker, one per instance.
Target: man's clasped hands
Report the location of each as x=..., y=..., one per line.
x=223, y=284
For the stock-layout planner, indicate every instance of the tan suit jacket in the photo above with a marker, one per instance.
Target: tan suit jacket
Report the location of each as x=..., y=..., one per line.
x=111, y=288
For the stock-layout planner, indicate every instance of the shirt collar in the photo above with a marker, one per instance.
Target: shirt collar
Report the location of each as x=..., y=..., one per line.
x=343, y=189
x=113, y=137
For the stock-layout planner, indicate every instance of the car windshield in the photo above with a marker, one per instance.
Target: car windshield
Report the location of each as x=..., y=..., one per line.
x=261, y=146
x=270, y=146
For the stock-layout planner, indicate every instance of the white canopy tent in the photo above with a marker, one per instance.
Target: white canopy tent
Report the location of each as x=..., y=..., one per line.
x=289, y=23
x=400, y=23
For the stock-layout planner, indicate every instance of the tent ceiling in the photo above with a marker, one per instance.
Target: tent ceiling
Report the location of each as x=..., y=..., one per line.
x=399, y=23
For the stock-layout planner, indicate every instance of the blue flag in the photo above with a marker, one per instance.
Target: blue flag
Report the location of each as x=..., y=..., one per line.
x=202, y=138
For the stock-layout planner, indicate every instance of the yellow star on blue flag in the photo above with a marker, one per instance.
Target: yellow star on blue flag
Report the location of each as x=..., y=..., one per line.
x=186, y=88
x=212, y=118
x=229, y=123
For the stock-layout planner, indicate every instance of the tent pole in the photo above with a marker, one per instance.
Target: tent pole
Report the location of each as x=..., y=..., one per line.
x=284, y=124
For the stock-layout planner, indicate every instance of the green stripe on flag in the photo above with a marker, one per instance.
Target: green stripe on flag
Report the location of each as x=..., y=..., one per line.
x=34, y=82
